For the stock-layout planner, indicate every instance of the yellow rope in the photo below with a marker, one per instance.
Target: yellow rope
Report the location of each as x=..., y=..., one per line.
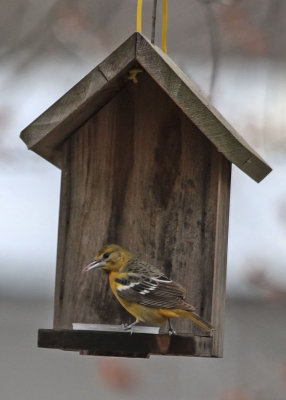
x=139, y=15
x=164, y=25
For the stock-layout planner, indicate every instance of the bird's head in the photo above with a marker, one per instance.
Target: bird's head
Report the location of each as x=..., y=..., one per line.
x=110, y=258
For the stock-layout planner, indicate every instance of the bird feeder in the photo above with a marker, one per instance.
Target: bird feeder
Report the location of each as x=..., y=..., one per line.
x=146, y=164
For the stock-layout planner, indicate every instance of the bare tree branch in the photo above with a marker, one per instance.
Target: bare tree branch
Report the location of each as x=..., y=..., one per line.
x=214, y=42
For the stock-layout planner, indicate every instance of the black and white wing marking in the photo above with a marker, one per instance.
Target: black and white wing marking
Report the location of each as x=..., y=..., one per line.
x=153, y=289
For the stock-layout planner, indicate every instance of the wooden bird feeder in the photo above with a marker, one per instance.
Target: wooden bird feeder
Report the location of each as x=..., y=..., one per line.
x=146, y=163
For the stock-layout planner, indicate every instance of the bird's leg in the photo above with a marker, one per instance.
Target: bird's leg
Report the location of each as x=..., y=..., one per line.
x=130, y=326
x=171, y=329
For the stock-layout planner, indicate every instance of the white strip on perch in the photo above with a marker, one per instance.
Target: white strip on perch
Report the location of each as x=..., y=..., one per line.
x=114, y=328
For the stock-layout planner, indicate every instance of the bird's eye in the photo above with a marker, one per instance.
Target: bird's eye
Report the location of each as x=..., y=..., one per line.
x=106, y=255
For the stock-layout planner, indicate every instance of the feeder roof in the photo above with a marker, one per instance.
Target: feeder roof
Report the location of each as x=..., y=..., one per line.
x=50, y=129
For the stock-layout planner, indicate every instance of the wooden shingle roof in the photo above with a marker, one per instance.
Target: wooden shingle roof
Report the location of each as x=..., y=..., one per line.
x=50, y=129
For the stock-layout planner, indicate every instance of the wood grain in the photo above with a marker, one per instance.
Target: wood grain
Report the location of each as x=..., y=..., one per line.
x=220, y=262
x=139, y=174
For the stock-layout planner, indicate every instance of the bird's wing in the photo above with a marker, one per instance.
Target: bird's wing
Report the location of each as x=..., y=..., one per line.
x=147, y=286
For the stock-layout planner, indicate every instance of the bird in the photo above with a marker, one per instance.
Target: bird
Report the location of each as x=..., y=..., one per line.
x=143, y=290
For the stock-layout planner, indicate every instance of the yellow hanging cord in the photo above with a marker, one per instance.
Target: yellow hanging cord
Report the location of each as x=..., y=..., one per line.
x=139, y=16
x=164, y=26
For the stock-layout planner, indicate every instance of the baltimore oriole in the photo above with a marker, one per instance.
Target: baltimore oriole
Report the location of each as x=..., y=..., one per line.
x=143, y=290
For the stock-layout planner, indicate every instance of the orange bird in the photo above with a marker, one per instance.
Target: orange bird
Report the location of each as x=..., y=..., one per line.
x=143, y=290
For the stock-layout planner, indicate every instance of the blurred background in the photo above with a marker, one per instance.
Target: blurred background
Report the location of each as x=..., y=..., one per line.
x=235, y=51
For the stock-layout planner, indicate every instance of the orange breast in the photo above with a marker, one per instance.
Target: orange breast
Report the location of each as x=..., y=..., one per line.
x=113, y=284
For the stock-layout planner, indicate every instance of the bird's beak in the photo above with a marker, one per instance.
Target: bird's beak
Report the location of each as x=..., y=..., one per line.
x=96, y=263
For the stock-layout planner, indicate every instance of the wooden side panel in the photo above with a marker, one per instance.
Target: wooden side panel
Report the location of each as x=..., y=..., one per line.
x=139, y=174
x=220, y=261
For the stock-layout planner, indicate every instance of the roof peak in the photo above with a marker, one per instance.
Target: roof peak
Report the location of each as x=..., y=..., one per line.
x=91, y=93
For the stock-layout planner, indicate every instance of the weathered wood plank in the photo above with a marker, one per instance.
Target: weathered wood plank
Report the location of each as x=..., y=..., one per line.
x=195, y=105
x=63, y=233
x=60, y=120
x=220, y=262
x=176, y=166
x=123, y=344
x=95, y=171
x=144, y=177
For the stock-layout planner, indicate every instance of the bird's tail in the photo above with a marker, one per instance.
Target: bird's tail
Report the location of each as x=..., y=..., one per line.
x=200, y=322
x=179, y=313
x=197, y=320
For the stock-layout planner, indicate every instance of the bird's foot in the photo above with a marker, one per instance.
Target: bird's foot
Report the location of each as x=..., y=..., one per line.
x=128, y=327
x=171, y=330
